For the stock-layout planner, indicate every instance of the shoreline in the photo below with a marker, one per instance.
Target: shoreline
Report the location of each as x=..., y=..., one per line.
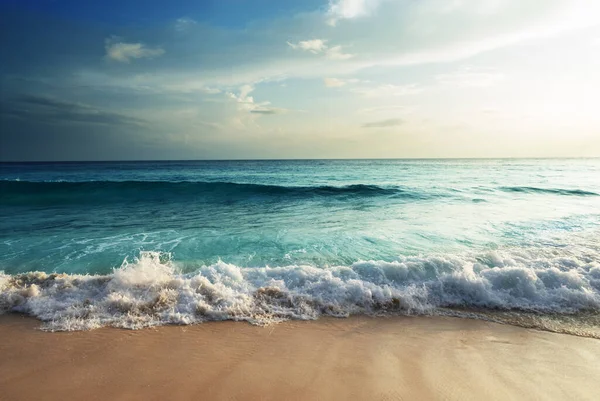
x=361, y=357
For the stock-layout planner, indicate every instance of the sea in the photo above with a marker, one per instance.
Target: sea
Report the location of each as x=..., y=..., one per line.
x=142, y=244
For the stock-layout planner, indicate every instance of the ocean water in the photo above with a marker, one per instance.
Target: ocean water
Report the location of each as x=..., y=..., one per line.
x=139, y=244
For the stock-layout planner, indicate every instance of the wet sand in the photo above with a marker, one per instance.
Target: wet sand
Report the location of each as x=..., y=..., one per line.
x=360, y=358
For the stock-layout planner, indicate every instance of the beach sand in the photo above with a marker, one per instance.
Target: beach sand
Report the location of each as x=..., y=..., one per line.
x=359, y=358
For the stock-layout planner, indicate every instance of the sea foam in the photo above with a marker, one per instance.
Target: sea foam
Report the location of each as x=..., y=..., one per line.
x=151, y=290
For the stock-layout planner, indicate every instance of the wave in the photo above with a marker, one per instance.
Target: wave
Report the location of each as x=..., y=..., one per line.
x=150, y=291
x=16, y=192
x=27, y=192
x=551, y=191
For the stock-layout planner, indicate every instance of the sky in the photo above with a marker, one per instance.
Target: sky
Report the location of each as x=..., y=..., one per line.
x=262, y=79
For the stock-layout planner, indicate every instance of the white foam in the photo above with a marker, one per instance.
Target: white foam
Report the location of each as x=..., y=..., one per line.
x=150, y=291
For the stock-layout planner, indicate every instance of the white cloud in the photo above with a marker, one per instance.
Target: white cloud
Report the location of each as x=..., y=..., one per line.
x=349, y=9
x=245, y=90
x=319, y=46
x=335, y=53
x=337, y=82
x=386, y=40
x=519, y=25
x=184, y=23
x=314, y=46
x=246, y=103
x=125, y=52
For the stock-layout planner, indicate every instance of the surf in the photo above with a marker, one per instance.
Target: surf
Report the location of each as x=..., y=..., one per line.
x=151, y=290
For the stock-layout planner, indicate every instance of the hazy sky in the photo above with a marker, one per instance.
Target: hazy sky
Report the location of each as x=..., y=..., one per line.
x=222, y=79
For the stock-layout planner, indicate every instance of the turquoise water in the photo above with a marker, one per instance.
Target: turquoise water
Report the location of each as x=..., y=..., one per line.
x=324, y=237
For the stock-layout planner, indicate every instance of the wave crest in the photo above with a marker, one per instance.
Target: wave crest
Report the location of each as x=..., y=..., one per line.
x=150, y=291
x=26, y=192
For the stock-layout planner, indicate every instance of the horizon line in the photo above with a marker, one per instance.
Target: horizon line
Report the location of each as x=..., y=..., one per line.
x=302, y=159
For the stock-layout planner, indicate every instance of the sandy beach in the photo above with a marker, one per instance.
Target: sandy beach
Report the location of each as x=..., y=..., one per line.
x=359, y=358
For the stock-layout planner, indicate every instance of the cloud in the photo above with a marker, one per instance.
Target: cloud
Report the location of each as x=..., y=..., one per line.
x=246, y=103
x=349, y=9
x=337, y=82
x=473, y=27
x=335, y=53
x=333, y=82
x=268, y=110
x=243, y=97
x=184, y=23
x=55, y=111
x=125, y=52
x=401, y=34
x=314, y=46
x=319, y=46
x=393, y=122
x=207, y=63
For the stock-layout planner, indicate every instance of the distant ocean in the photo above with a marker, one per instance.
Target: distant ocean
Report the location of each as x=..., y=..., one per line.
x=139, y=244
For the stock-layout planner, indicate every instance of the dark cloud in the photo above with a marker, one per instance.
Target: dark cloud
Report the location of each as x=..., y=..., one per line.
x=268, y=111
x=393, y=122
x=50, y=110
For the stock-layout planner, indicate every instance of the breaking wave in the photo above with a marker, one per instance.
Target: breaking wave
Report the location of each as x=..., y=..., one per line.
x=527, y=286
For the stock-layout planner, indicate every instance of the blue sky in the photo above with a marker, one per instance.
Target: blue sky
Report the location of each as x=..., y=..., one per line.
x=225, y=13
x=298, y=79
